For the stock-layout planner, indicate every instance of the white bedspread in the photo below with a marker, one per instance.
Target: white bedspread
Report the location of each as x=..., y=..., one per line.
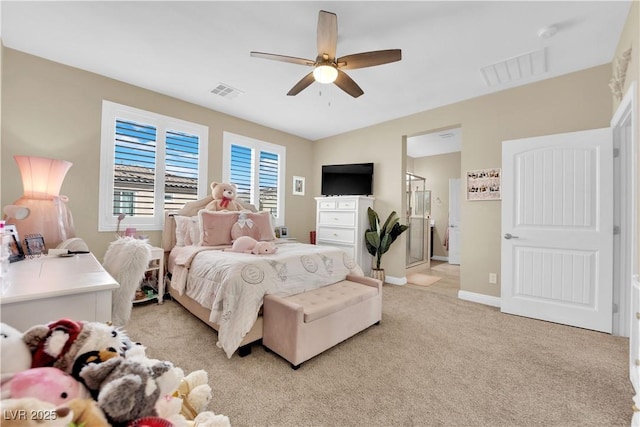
x=233, y=285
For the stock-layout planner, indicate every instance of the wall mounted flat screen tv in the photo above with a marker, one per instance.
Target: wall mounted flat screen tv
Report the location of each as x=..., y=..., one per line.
x=347, y=180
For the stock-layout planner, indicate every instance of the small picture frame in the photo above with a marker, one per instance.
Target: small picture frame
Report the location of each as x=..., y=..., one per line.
x=298, y=186
x=34, y=245
x=484, y=184
x=284, y=232
x=15, y=250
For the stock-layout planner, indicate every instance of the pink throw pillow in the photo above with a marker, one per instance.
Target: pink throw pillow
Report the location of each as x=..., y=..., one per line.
x=263, y=221
x=215, y=227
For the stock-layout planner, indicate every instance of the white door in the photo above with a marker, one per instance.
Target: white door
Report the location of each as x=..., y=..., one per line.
x=454, y=221
x=557, y=228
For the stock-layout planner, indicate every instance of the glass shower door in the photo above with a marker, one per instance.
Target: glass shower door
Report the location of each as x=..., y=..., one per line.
x=415, y=218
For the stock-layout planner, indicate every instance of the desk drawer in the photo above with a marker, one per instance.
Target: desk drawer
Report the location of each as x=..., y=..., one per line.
x=337, y=218
x=343, y=235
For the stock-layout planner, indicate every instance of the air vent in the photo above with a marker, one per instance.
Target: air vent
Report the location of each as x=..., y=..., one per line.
x=516, y=68
x=226, y=91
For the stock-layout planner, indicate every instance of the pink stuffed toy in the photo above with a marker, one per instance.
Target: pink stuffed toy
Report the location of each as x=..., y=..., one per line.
x=47, y=384
x=249, y=245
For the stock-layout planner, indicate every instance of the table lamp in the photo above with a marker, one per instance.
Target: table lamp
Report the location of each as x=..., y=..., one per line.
x=41, y=209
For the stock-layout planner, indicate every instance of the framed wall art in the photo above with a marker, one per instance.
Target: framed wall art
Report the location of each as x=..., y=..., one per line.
x=298, y=186
x=484, y=184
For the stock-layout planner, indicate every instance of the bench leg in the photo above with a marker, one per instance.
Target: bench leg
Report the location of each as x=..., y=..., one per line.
x=294, y=367
x=377, y=323
x=244, y=350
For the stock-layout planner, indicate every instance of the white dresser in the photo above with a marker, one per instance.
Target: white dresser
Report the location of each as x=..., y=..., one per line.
x=341, y=221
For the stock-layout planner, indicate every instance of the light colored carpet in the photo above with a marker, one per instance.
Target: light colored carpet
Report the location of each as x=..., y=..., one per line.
x=421, y=279
x=433, y=361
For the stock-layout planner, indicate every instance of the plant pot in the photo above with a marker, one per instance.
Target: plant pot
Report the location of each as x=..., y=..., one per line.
x=378, y=274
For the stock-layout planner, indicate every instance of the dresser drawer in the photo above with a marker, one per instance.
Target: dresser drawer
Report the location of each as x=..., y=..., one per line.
x=346, y=204
x=343, y=235
x=337, y=218
x=329, y=204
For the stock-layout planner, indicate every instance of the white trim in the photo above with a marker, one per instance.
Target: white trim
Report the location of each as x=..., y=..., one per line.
x=440, y=258
x=398, y=281
x=479, y=298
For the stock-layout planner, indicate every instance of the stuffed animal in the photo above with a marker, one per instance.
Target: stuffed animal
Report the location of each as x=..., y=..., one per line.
x=245, y=227
x=249, y=245
x=46, y=384
x=223, y=198
x=29, y=411
x=127, y=389
x=209, y=419
x=14, y=352
x=195, y=393
x=86, y=413
x=60, y=343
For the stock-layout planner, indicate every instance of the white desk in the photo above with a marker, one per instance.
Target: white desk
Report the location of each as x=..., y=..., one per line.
x=48, y=288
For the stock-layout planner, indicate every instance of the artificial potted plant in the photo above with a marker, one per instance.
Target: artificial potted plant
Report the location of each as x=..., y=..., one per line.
x=379, y=239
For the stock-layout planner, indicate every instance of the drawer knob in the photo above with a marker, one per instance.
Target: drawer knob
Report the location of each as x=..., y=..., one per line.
x=335, y=234
x=638, y=315
x=637, y=362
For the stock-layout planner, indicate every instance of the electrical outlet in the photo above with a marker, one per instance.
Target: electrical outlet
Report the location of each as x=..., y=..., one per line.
x=493, y=278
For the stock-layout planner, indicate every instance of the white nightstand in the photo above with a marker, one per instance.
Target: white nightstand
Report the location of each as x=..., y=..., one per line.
x=156, y=268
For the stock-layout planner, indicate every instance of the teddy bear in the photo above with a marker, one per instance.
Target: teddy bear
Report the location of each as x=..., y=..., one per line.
x=249, y=245
x=87, y=413
x=60, y=343
x=224, y=195
x=47, y=384
x=127, y=389
x=14, y=352
x=29, y=411
x=195, y=393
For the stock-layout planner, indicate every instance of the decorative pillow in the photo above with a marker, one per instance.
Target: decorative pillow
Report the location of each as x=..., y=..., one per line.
x=263, y=221
x=187, y=230
x=245, y=227
x=215, y=227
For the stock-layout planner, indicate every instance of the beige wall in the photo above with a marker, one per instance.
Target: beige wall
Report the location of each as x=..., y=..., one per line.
x=572, y=102
x=437, y=170
x=53, y=110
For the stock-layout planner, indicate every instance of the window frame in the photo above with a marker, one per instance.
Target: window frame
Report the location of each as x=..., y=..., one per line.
x=229, y=139
x=112, y=111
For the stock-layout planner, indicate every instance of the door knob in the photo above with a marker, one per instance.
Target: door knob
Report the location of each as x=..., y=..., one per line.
x=510, y=236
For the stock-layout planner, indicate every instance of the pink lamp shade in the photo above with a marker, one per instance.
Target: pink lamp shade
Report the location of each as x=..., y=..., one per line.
x=49, y=216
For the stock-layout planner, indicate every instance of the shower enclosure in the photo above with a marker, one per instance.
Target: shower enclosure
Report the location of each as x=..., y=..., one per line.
x=417, y=213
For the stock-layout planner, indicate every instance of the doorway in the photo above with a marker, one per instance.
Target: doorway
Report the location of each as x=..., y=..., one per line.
x=436, y=156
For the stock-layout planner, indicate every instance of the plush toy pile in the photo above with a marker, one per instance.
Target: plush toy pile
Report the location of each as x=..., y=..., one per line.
x=89, y=374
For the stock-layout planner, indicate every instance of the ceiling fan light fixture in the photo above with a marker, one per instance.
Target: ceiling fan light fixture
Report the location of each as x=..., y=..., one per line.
x=325, y=74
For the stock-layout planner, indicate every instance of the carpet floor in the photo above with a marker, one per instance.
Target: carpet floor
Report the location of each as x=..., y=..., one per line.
x=433, y=361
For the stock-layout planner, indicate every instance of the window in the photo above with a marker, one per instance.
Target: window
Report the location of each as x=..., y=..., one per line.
x=257, y=169
x=149, y=163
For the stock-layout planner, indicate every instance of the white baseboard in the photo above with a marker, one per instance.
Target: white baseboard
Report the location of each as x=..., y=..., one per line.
x=440, y=258
x=479, y=298
x=399, y=281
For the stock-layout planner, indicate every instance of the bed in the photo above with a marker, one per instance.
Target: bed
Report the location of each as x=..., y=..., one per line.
x=225, y=289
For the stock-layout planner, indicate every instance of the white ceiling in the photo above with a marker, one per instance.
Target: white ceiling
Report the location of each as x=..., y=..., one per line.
x=185, y=49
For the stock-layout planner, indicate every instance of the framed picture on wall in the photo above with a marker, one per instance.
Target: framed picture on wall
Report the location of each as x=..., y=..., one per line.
x=484, y=184
x=298, y=186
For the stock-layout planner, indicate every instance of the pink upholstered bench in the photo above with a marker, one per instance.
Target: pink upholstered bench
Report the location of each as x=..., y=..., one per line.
x=302, y=326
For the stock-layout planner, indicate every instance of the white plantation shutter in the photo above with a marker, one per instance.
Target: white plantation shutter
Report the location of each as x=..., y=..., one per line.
x=257, y=170
x=149, y=163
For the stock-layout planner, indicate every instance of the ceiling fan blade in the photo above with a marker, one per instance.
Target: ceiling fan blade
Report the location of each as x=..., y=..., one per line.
x=302, y=84
x=291, y=59
x=369, y=59
x=347, y=84
x=327, y=34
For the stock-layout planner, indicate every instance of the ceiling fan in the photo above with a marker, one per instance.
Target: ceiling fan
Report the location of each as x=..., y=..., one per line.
x=328, y=68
